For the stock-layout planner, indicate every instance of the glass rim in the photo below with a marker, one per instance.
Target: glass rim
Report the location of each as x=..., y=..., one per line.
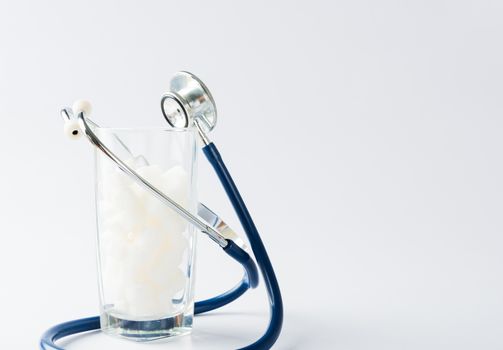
x=190, y=130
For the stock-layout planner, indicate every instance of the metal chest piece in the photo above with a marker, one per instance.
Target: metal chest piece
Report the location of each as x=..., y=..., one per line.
x=189, y=100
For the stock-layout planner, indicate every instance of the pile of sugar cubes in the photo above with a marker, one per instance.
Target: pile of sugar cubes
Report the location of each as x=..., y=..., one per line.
x=142, y=242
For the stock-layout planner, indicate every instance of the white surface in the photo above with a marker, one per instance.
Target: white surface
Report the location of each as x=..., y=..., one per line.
x=365, y=136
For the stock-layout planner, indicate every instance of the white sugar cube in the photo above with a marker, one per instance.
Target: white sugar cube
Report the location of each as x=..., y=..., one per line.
x=142, y=241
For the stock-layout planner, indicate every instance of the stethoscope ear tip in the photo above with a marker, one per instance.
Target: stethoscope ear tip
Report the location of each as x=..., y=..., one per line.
x=82, y=106
x=72, y=129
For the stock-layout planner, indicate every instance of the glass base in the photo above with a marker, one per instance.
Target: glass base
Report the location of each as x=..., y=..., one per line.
x=143, y=331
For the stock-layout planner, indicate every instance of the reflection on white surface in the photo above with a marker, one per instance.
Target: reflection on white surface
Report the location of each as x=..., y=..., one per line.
x=218, y=330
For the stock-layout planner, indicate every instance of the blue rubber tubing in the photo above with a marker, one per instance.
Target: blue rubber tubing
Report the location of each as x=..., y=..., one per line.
x=250, y=279
x=276, y=303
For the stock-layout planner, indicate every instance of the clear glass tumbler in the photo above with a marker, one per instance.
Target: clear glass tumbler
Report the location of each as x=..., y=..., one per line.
x=145, y=249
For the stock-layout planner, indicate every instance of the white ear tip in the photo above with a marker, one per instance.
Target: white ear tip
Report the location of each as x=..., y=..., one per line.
x=72, y=129
x=82, y=106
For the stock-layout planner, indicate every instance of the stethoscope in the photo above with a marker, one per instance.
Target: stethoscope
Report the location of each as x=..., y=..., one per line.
x=189, y=104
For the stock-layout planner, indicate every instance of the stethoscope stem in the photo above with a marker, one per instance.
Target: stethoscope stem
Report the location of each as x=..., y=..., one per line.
x=132, y=174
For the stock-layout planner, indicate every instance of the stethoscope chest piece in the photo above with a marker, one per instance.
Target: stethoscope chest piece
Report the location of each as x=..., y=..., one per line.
x=188, y=100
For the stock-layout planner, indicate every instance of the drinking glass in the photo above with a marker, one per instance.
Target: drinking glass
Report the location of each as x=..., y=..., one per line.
x=146, y=250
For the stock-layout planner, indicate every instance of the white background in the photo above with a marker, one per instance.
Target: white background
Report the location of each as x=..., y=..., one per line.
x=365, y=136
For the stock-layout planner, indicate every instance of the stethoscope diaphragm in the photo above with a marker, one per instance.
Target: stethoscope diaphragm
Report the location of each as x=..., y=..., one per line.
x=187, y=101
